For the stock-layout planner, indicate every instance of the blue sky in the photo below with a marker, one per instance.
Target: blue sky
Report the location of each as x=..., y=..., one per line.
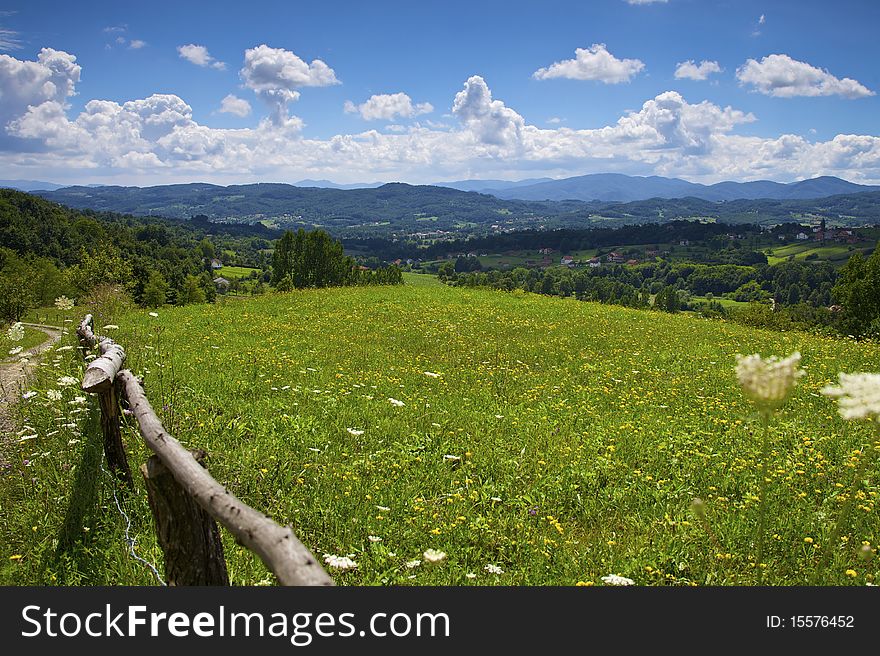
x=230, y=92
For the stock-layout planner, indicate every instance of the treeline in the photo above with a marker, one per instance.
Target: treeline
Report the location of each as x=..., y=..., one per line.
x=787, y=283
x=787, y=295
x=47, y=250
x=314, y=259
x=568, y=240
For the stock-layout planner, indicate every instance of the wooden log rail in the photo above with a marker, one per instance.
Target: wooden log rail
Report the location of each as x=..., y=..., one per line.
x=184, y=498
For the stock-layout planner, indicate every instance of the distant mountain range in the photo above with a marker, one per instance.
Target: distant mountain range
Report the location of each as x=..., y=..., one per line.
x=598, y=187
x=30, y=185
x=327, y=184
x=397, y=209
x=615, y=187
x=490, y=186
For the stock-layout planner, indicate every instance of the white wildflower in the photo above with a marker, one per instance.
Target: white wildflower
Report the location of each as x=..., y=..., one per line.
x=383, y=508
x=470, y=575
x=431, y=374
x=858, y=396
x=493, y=569
x=27, y=437
x=54, y=395
x=354, y=431
x=412, y=564
x=374, y=538
x=614, y=579
x=15, y=351
x=153, y=314
x=768, y=382
x=15, y=332
x=111, y=326
x=63, y=303
x=434, y=557
x=62, y=349
x=396, y=402
x=67, y=381
x=28, y=395
x=339, y=562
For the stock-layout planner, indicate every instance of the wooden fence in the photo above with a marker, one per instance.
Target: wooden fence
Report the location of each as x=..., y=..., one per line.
x=184, y=498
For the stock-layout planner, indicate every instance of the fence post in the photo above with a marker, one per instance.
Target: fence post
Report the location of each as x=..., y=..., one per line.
x=99, y=379
x=189, y=537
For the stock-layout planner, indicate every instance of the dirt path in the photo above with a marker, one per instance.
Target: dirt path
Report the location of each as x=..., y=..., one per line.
x=13, y=378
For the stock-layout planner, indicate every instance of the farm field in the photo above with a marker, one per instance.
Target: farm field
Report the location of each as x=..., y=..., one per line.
x=234, y=272
x=837, y=254
x=533, y=440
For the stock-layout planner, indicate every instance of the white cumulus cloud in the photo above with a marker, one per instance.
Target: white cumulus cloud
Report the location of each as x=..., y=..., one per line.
x=156, y=140
x=234, y=105
x=26, y=84
x=691, y=71
x=784, y=77
x=136, y=44
x=388, y=106
x=488, y=121
x=275, y=74
x=593, y=63
x=199, y=56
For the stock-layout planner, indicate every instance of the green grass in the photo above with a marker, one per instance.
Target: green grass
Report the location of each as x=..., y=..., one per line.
x=726, y=303
x=51, y=316
x=421, y=280
x=32, y=337
x=234, y=272
x=560, y=440
x=837, y=254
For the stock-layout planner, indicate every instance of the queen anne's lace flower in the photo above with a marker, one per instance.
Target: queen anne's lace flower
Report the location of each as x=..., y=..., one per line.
x=434, y=557
x=63, y=303
x=858, y=396
x=339, y=562
x=614, y=579
x=768, y=382
x=15, y=332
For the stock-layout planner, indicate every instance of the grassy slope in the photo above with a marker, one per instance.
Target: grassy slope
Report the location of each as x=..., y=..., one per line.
x=233, y=272
x=561, y=441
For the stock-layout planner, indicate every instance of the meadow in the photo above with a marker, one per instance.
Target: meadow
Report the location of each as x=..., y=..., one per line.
x=534, y=440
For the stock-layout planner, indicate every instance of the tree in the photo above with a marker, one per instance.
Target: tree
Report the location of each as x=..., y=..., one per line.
x=191, y=292
x=310, y=259
x=206, y=248
x=155, y=290
x=858, y=291
x=16, y=289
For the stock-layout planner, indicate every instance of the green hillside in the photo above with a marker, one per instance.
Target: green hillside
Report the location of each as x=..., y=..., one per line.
x=557, y=440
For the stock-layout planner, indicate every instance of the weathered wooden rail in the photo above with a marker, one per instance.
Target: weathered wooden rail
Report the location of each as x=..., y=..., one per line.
x=184, y=498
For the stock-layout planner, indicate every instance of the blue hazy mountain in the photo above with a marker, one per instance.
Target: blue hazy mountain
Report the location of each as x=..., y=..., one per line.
x=30, y=185
x=617, y=187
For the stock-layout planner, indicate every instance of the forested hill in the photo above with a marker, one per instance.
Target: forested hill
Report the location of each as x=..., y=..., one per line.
x=405, y=209
x=33, y=226
x=404, y=206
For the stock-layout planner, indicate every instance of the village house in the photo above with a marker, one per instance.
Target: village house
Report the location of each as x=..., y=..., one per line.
x=221, y=284
x=216, y=264
x=545, y=251
x=632, y=262
x=801, y=236
x=567, y=260
x=594, y=262
x=614, y=256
